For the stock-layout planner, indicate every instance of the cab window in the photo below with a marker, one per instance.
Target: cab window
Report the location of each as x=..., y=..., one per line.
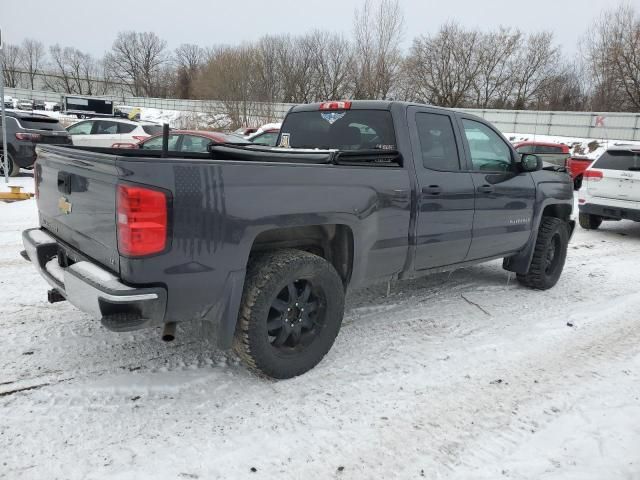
x=155, y=143
x=437, y=142
x=489, y=152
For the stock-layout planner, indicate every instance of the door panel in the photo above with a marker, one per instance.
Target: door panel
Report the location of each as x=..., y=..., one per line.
x=504, y=198
x=445, y=193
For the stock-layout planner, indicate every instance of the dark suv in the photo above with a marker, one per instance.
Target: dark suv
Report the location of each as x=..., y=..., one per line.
x=24, y=131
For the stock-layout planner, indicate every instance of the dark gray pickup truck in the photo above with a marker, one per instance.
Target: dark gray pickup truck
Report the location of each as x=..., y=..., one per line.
x=263, y=242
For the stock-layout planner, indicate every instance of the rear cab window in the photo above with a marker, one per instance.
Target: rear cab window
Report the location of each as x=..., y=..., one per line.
x=347, y=130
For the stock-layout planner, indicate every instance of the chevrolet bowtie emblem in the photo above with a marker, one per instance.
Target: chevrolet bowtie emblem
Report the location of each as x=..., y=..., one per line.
x=64, y=206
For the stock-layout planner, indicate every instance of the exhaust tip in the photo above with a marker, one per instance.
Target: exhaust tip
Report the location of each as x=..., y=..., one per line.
x=169, y=332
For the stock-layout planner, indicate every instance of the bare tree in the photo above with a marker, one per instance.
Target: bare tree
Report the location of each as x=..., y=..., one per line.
x=33, y=58
x=72, y=71
x=535, y=63
x=613, y=55
x=333, y=64
x=11, y=57
x=378, y=33
x=188, y=59
x=444, y=68
x=137, y=59
x=491, y=83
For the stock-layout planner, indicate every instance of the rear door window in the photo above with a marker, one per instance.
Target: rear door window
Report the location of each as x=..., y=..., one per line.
x=126, y=127
x=105, y=127
x=339, y=129
x=437, y=142
x=40, y=123
x=619, y=160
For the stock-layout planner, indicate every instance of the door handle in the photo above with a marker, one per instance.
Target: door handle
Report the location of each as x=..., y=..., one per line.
x=486, y=189
x=432, y=190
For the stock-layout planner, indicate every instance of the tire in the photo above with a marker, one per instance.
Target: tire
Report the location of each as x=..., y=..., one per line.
x=589, y=222
x=577, y=183
x=275, y=336
x=14, y=169
x=549, y=255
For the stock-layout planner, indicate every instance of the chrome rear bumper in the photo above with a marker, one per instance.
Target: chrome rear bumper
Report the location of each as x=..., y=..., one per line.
x=93, y=289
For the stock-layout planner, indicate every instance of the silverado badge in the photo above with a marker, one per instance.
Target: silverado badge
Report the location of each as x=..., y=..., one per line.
x=64, y=206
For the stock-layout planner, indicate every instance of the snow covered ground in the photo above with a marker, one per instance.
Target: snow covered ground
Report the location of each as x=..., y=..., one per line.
x=454, y=376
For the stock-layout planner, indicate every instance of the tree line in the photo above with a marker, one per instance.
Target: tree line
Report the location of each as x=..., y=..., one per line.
x=454, y=66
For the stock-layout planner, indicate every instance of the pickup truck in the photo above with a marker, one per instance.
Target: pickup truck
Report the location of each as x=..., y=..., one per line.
x=264, y=242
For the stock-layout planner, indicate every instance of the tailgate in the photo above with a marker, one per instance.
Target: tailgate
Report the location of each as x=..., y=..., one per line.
x=77, y=201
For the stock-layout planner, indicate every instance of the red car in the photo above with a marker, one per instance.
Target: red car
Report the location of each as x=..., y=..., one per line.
x=197, y=141
x=554, y=153
x=576, y=167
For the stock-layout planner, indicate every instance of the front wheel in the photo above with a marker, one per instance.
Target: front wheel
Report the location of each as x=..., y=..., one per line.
x=291, y=312
x=549, y=255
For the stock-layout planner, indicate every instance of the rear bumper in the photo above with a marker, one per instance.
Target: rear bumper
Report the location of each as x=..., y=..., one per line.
x=93, y=289
x=614, y=212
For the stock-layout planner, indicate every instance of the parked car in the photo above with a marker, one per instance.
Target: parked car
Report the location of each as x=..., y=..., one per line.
x=39, y=105
x=552, y=153
x=611, y=189
x=104, y=133
x=576, y=166
x=195, y=141
x=265, y=242
x=8, y=102
x=265, y=136
x=25, y=105
x=24, y=132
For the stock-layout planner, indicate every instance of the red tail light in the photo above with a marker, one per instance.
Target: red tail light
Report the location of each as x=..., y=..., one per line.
x=344, y=105
x=142, y=221
x=28, y=137
x=593, y=175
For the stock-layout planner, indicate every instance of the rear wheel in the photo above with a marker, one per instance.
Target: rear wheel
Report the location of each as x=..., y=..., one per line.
x=588, y=221
x=12, y=167
x=549, y=255
x=291, y=312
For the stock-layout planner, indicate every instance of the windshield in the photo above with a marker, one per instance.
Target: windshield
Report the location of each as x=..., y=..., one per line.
x=339, y=129
x=619, y=160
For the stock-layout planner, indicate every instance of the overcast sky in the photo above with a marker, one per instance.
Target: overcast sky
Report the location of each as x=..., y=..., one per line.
x=91, y=26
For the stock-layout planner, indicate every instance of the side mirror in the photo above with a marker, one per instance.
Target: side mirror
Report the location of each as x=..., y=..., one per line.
x=530, y=162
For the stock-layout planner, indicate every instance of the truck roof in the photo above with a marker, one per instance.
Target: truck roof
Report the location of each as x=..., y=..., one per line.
x=365, y=105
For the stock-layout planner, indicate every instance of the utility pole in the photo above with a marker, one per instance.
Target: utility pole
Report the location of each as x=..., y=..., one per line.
x=5, y=156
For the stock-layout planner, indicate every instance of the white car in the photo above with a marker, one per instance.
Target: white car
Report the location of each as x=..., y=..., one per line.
x=611, y=187
x=99, y=132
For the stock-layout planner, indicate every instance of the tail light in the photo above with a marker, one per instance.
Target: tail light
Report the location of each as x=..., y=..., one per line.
x=28, y=137
x=593, y=175
x=343, y=105
x=142, y=221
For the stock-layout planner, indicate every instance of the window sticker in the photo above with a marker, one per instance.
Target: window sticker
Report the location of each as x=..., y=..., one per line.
x=284, y=140
x=333, y=117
